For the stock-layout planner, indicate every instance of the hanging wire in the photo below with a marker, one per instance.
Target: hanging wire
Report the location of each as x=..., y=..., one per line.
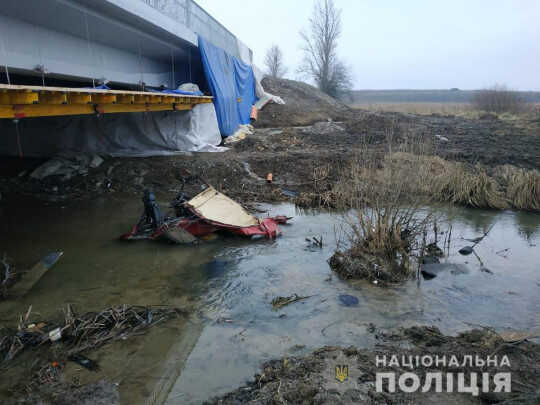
x=189, y=58
x=90, y=53
x=140, y=66
x=41, y=66
x=173, y=84
x=5, y=58
x=18, y=138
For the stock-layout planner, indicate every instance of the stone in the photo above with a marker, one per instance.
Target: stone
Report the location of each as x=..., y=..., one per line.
x=348, y=300
x=49, y=168
x=96, y=161
x=430, y=271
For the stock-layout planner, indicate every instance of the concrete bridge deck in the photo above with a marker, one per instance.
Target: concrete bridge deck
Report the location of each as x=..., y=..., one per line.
x=129, y=43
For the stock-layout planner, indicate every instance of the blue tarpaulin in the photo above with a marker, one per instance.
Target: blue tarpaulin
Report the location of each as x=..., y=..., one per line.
x=232, y=84
x=181, y=92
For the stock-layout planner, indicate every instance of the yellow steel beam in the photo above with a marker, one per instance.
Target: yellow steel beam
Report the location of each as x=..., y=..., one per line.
x=125, y=108
x=103, y=98
x=36, y=101
x=155, y=99
x=52, y=98
x=18, y=97
x=73, y=98
x=125, y=99
x=141, y=99
x=44, y=110
x=179, y=107
x=6, y=111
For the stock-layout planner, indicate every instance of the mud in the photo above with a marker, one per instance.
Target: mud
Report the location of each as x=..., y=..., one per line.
x=312, y=379
x=99, y=393
x=304, y=105
x=294, y=155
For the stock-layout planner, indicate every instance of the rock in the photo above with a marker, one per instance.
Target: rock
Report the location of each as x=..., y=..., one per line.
x=485, y=270
x=434, y=250
x=429, y=260
x=324, y=128
x=430, y=271
x=442, y=138
x=47, y=169
x=465, y=251
x=96, y=161
x=66, y=165
x=348, y=300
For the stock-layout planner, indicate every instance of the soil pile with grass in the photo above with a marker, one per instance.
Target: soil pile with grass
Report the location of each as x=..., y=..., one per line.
x=305, y=105
x=312, y=379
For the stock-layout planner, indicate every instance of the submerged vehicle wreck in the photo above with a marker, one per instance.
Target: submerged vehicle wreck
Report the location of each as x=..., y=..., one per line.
x=191, y=218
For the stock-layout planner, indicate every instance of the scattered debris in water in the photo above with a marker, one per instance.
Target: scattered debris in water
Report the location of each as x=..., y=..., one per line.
x=191, y=218
x=313, y=241
x=84, y=361
x=348, y=300
x=280, y=302
x=80, y=333
x=32, y=276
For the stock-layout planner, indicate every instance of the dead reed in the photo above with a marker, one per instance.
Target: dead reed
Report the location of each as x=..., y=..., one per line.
x=83, y=332
x=367, y=180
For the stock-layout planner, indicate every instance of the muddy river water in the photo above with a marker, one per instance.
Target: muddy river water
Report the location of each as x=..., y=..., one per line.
x=228, y=284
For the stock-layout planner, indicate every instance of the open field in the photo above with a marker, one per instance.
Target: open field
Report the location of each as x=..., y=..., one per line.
x=417, y=107
x=426, y=96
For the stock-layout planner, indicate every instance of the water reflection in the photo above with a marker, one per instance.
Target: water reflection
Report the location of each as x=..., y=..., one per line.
x=229, y=353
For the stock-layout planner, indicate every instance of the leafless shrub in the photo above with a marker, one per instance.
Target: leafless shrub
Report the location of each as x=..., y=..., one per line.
x=498, y=99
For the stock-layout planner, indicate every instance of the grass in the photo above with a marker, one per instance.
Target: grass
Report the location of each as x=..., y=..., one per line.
x=528, y=117
x=389, y=225
x=417, y=107
x=412, y=178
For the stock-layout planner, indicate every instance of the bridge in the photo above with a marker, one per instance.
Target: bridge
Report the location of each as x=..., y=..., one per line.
x=59, y=57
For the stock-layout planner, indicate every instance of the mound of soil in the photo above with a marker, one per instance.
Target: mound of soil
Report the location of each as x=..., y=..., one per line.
x=305, y=105
x=312, y=379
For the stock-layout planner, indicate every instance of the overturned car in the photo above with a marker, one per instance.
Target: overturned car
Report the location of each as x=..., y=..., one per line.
x=191, y=218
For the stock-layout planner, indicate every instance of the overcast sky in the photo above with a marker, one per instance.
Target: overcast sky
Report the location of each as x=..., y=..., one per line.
x=405, y=44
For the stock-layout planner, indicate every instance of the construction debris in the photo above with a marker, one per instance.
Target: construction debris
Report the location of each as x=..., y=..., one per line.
x=31, y=277
x=208, y=212
x=66, y=166
x=80, y=333
x=280, y=302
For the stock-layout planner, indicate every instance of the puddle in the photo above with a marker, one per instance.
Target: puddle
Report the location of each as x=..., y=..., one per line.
x=229, y=284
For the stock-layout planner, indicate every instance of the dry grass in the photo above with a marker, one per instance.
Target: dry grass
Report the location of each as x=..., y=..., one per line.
x=522, y=186
x=418, y=108
x=428, y=179
x=528, y=113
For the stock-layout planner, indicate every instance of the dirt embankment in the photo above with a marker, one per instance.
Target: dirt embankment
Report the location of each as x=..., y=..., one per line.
x=298, y=144
x=304, y=105
x=313, y=380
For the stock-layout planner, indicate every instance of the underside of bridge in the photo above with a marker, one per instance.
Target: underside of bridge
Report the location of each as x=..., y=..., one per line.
x=129, y=44
x=89, y=58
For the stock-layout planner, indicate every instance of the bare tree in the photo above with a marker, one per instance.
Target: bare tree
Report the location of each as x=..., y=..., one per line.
x=274, y=62
x=319, y=45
